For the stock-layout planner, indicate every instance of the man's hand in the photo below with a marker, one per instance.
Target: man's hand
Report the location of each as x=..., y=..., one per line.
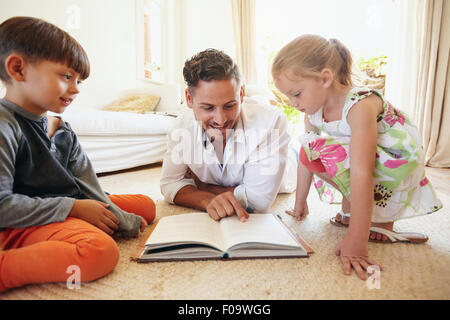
x=225, y=204
x=218, y=201
x=96, y=213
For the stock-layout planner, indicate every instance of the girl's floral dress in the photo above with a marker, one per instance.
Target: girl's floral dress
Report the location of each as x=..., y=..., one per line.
x=401, y=189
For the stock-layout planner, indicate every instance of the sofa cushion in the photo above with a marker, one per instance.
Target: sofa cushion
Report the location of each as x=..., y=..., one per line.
x=136, y=103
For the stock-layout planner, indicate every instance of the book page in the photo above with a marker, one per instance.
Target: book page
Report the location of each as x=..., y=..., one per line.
x=186, y=228
x=260, y=227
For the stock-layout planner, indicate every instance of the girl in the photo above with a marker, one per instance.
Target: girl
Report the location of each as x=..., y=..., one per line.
x=362, y=131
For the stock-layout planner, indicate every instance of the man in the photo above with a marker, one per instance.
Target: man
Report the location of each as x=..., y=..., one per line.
x=225, y=156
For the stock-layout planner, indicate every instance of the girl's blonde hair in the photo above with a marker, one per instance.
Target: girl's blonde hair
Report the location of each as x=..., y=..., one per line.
x=310, y=54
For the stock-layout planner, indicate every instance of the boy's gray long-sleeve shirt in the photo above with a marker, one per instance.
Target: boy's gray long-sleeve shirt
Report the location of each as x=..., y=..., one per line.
x=41, y=177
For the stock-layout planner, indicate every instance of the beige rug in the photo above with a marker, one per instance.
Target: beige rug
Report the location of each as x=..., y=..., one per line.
x=411, y=271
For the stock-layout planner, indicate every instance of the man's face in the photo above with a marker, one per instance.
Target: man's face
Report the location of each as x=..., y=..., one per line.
x=216, y=104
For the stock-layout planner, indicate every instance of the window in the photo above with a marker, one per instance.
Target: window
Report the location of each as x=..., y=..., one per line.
x=150, y=44
x=364, y=26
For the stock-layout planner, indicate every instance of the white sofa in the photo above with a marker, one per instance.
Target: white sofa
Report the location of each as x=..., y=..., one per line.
x=121, y=140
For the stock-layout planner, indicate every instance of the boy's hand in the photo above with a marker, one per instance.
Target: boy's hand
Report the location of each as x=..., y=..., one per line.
x=299, y=212
x=354, y=255
x=96, y=213
x=144, y=225
x=119, y=235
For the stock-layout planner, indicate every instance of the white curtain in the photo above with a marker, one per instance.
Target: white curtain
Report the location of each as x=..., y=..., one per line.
x=402, y=63
x=418, y=79
x=244, y=37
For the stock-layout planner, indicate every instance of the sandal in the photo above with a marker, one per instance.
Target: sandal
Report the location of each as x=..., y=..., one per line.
x=340, y=223
x=393, y=237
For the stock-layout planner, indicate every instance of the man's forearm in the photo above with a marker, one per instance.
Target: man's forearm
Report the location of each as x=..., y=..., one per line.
x=191, y=197
x=213, y=188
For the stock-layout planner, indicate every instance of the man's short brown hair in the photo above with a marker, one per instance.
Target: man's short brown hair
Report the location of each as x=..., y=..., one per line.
x=35, y=40
x=210, y=64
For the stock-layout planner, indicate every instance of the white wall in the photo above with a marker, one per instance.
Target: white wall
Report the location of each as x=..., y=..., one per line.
x=107, y=31
x=203, y=24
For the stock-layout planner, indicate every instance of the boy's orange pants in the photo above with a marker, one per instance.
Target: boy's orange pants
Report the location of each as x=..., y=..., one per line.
x=43, y=254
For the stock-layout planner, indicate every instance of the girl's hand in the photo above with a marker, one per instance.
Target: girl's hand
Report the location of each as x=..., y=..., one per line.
x=353, y=254
x=300, y=211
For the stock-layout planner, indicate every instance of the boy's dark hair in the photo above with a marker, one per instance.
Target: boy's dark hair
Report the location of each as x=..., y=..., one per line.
x=37, y=39
x=210, y=64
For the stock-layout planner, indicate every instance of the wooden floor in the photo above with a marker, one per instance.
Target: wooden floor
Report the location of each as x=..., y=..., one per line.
x=440, y=179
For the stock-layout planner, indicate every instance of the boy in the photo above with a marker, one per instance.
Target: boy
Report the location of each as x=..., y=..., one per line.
x=53, y=212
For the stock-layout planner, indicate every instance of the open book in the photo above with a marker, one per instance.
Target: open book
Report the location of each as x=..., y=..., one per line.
x=194, y=236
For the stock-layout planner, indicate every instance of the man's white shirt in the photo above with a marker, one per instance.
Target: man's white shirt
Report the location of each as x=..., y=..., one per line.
x=254, y=158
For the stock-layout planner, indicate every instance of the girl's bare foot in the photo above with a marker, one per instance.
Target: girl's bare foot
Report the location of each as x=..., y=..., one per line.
x=380, y=237
x=342, y=219
x=373, y=235
x=345, y=208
